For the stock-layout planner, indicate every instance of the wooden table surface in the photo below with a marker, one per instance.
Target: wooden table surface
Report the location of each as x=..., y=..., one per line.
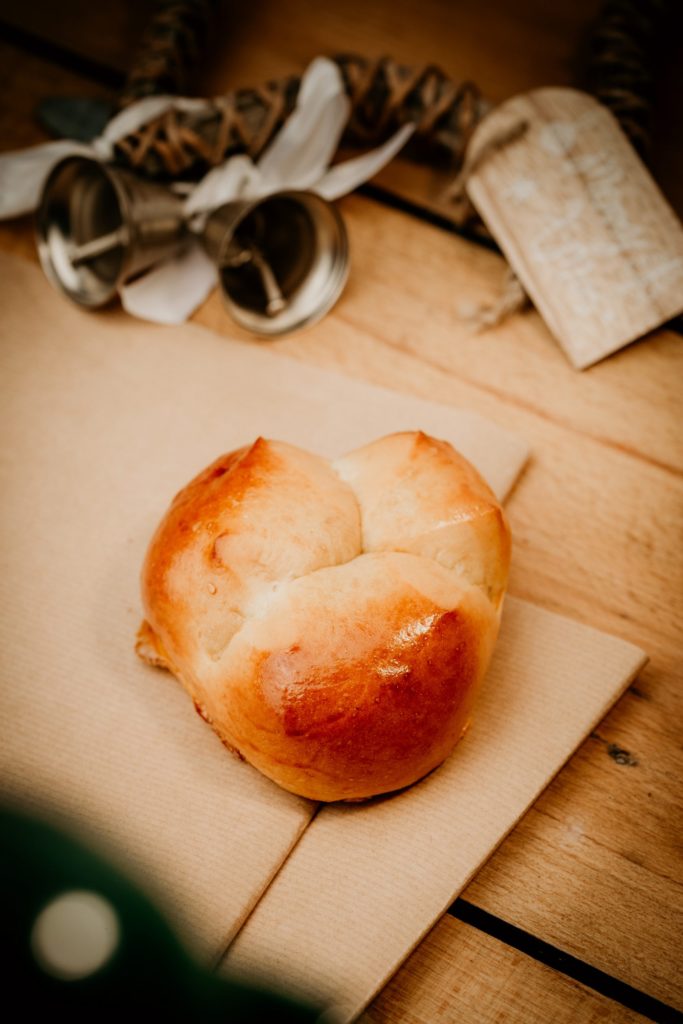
x=578, y=915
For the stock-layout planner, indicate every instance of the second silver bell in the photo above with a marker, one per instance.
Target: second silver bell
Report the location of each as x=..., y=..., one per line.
x=282, y=260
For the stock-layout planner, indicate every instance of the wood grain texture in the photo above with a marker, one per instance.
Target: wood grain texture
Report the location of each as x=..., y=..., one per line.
x=596, y=531
x=410, y=292
x=24, y=81
x=384, y=873
x=104, y=33
x=504, y=48
x=443, y=982
x=593, y=867
x=614, y=402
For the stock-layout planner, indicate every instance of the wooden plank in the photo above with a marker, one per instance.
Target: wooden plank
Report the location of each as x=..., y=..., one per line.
x=609, y=895
x=595, y=521
x=504, y=48
x=24, y=81
x=104, y=33
x=408, y=291
x=595, y=531
x=439, y=275
x=549, y=675
x=445, y=980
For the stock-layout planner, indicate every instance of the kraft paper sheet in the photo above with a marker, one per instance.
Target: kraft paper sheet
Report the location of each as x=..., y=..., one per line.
x=367, y=881
x=103, y=419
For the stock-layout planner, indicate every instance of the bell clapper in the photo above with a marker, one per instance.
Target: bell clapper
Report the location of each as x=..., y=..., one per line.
x=98, y=246
x=275, y=300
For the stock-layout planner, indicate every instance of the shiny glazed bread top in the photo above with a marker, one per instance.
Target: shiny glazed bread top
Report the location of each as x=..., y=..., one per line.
x=331, y=621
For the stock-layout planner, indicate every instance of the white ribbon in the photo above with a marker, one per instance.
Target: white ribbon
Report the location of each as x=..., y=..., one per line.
x=23, y=171
x=298, y=158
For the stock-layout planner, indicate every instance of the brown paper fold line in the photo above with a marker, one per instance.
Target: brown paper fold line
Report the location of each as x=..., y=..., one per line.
x=367, y=881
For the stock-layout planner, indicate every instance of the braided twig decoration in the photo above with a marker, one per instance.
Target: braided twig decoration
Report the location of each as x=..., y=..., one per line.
x=169, y=49
x=621, y=62
x=384, y=95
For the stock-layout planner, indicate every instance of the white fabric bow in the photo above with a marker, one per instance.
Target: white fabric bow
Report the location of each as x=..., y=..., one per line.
x=298, y=158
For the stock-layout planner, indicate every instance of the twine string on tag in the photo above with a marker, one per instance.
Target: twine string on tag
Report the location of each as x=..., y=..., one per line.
x=512, y=297
x=456, y=193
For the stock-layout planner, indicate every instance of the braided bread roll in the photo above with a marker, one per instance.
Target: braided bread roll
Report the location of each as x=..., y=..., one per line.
x=330, y=621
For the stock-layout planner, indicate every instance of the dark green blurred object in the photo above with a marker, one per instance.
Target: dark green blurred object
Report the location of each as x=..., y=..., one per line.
x=78, y=937
x=81, y=118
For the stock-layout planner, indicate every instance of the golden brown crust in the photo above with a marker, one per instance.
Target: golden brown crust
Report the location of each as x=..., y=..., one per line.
x=331, y=626
x=250, y=521
x=148, y=647
x=420, y=495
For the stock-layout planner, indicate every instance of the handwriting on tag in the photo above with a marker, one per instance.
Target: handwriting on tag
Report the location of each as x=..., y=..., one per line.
x=580, y=220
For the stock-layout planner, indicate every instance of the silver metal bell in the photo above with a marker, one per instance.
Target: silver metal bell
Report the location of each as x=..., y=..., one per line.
x=282, y=260
x=98, y=226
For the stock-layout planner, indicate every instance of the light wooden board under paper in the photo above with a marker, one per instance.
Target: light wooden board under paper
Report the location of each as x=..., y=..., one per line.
x=367, y=881
x=103, y=419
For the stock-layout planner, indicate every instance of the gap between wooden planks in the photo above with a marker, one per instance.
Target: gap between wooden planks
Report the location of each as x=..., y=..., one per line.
x=505, y=48
x=595, y=523
x=629, y=401
x=563, y=874
x=460, y=974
